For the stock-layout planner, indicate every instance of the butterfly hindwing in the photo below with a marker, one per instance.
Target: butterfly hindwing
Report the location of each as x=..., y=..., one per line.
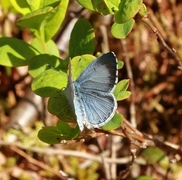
x=99, y=107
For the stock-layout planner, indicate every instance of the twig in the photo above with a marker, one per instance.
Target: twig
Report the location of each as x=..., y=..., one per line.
x=53, y=152
x=132, y=85
x=172, y=51
x=143, y=140
x=37, y=163
x=115, y=147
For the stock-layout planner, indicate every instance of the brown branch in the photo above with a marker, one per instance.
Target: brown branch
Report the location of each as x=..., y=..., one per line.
x=143, y=140
x=53, y=152
x=132, y=84
x=37, y=163
x=172, y=51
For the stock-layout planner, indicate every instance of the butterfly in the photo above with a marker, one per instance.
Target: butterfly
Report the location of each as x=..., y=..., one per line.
x=91, y=94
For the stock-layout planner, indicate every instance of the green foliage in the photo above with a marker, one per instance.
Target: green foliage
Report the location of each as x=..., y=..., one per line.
x=11, y=53
x=153, y=154
x=29, y=139
x=114, y=123
x=62, y=131
x=120, y=91
x=144, y=178
x=42, y=62
x=46, y=84
x=21, y=6
x=101, y=6
x=48, y=47
x=82, y=39
x=127, y=10
x=124, y=19
x=36, y=19
x=83, y=173
x=120, y=31
x=44, y=18
x=52, y=26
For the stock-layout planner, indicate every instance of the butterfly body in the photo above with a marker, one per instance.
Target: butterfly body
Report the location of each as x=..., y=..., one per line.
x=91, y=94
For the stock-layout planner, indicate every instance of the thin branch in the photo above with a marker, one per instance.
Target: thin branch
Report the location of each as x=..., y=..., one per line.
x=172, y=51
x=132, y=85
x=37, y=163
x=53, y=152
x=143, y=140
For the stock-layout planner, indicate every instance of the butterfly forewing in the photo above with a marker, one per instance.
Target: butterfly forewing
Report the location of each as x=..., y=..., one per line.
x=100, y=75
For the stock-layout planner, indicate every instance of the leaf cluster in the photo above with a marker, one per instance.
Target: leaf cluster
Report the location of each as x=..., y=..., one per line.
x=43, y=19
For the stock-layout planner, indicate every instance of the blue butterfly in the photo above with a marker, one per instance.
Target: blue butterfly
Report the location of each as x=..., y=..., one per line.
x=91, y=95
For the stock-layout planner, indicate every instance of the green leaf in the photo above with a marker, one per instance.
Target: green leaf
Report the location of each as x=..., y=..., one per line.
x=143, y=10
x=21, y=6
x=14, y=52
x=58, y=105
x=7, y=5
x=57, y=18
x=144, y=178
x=44, y=3
x=114, y=123
x=101, y=6
x=66, y=130
x=62, y=131
x=127, y=10
x=37, y=19
x=33, y=4
x=82, y=39
x=41, y=63
x=105, y=6
x=120, y=91
x=153, y=154
x=86, y=4
x=120, y=64
x=49, y=135
x=49, y=47
x=49, y=82
x=122, y=30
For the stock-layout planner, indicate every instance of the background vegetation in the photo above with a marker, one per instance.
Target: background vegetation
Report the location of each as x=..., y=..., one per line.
x=147, y=146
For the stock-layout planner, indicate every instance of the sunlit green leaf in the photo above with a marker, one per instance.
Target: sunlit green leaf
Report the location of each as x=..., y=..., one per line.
x=114, y=123
x=48, y=47
x=52, y=26
x=127, y=10
x=14, y=52
x=42, y=62
x=21, y=6
x=49, y=82
x=37, y=19
x=101, y=6
x=82, y=39
x=122, y=30
x=120, y=91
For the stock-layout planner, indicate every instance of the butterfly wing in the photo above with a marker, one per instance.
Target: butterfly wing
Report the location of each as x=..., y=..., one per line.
x=100, y=107
x=94, y=102
x=91, y=94
x=100, y=75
